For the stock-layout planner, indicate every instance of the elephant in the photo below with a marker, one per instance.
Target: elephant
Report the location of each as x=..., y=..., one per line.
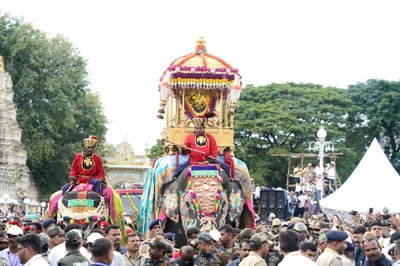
x=206, y=202
x=84, y=208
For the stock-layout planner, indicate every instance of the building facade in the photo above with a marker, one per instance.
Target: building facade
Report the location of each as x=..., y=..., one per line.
x=124, y=168
x=16, y=184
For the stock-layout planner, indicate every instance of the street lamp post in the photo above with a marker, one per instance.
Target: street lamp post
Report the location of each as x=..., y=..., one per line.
x=27, y=202
x=321, y=134
x=321, y=146
x=5, y=198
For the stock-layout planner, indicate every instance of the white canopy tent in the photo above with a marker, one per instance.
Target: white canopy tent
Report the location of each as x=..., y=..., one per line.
x=373, y=184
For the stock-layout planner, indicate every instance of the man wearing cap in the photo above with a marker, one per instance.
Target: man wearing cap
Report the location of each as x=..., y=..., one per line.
x=73, y=241
x=348, y=254
x=208, y=254
x=117, y=258
x=11, y=253
x=56, y=237
x=276, y=226
x=155, y=226
x=322, y=241
x=259, y=246
x=289, y=247
x=49, y=223
x=87, y=168
x=302, y=230
x=157, y=252
x=334, y=250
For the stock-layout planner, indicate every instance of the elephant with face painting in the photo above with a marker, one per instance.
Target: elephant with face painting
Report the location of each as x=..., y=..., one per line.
x=202, y=196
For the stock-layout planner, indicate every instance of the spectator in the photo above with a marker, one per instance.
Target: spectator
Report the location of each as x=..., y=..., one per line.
x=373, y=251
x=118, y=259
x=73, y=242
x=56, y=237
x=11, y=253
x=35, y=228
x=289, y=247
x=359, y=255
x=227, y=242
x=208, y=254
x=157, y=252
x=60, y=250
x=3, y=240
x=236, y=237
x=309, y=250
x=49, y=223
x=113, y=232
x=102, y=252
x=132, y=256
x=29, y=248
x=186, y=258
x=397, y=253
x=244, y=252
x=348, y=255
x=259, y=246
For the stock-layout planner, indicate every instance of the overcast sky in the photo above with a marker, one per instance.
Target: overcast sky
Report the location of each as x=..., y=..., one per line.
x=128, y=44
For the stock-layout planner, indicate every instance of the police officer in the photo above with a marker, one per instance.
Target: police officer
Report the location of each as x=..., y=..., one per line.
x=336, y=243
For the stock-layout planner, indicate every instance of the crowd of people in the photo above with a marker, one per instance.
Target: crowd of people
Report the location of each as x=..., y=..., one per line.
x=313, y=179
x=310, y=240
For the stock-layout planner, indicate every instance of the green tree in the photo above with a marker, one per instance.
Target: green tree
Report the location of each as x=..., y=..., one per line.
x=379, y=102
x=157, y=150
x=55, y=107
x=284, y=118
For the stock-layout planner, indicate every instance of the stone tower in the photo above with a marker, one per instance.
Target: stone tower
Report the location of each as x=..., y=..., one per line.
x=15, y=179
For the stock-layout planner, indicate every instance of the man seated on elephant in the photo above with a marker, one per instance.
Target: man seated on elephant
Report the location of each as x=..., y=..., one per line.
x=87, y=168
x=201, y=147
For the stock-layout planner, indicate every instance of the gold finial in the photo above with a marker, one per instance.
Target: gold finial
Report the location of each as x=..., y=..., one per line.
x=201, y=45
x=1, y=63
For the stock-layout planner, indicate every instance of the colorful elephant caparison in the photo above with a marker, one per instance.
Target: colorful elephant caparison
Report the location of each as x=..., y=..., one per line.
x=202, y=196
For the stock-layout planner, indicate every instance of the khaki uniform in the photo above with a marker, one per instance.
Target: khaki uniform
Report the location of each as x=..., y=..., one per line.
x=253, y=260
x=329, y=258
x=129, y=261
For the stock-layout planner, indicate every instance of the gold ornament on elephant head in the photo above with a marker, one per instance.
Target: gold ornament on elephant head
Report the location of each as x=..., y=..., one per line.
x=206, y=191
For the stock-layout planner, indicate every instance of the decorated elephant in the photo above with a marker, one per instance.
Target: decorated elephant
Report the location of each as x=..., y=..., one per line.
x=201, y=196
x=84, y=207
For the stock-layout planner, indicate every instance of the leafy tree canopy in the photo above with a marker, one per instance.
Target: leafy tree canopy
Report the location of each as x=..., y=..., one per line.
x=284, y=118
x=157, y=150
x=379, y=116
x=55, y=108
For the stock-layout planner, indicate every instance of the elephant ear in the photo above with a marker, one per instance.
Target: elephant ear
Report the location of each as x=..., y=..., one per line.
x=170, y=204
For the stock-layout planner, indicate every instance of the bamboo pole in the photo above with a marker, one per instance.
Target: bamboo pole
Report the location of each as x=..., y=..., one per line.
x=220, y=110
x=183, y=109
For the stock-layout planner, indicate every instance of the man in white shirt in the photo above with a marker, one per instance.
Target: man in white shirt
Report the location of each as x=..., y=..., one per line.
x=331, y=172
x=60, y=251
x=289, y=247
x=301, y=199
x=29, y=248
